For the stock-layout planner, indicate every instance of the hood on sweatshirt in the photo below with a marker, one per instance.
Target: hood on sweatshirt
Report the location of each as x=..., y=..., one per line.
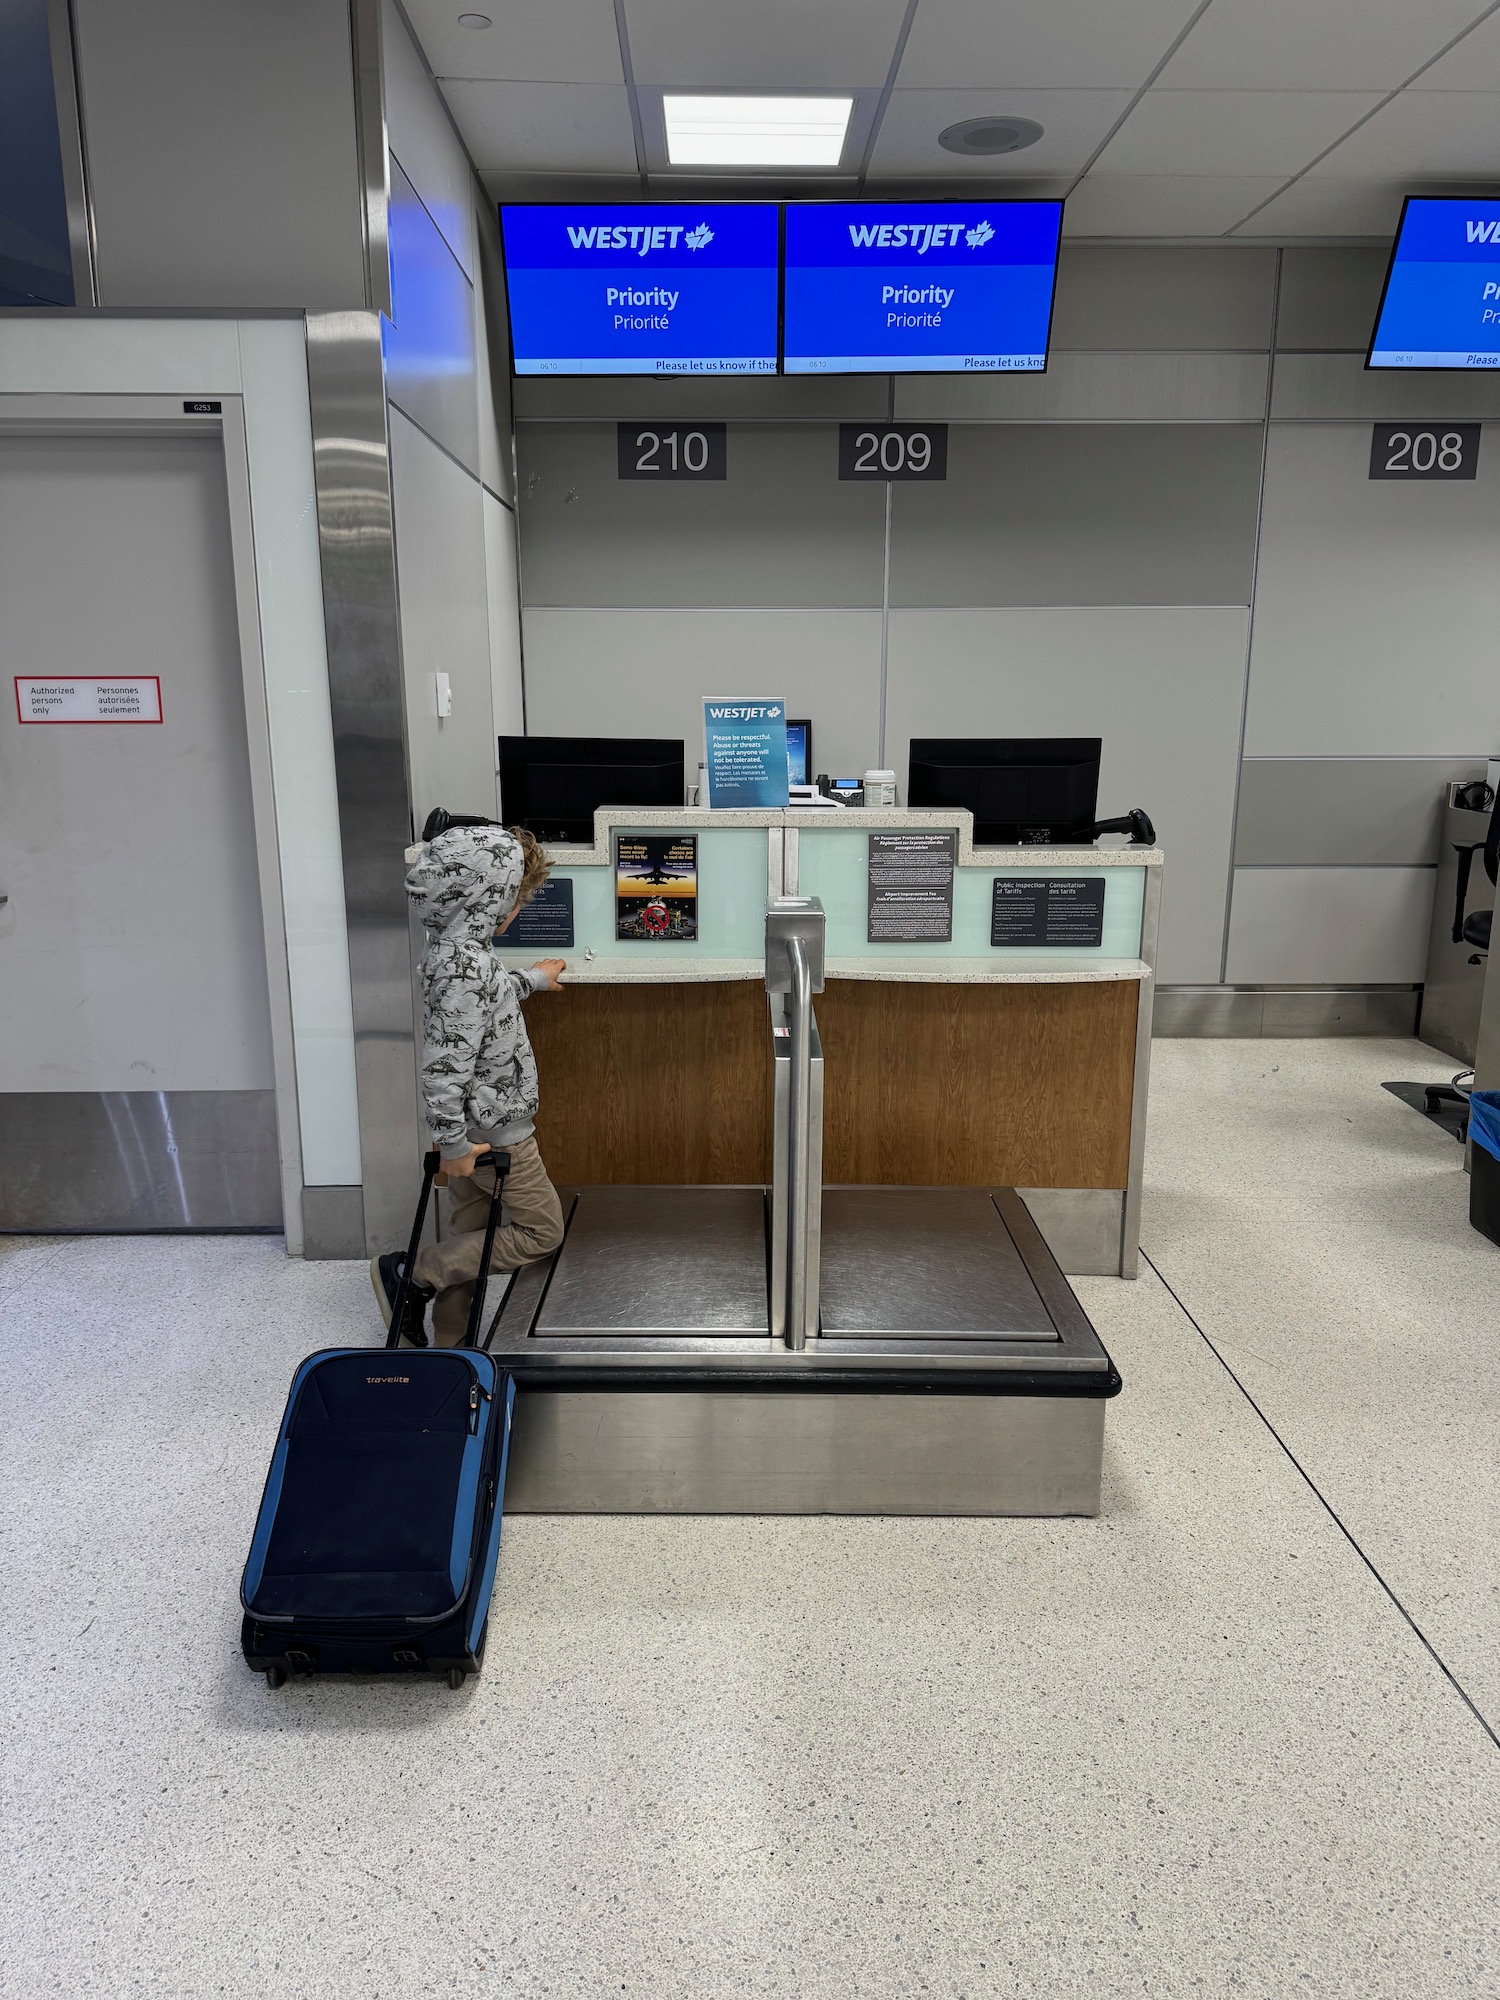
x=465, y=882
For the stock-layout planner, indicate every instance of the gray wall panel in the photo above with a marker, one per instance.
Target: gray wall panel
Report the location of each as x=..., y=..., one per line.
x=1119, y=296
x=430, y=361
x=1358, y=810
x=222, y=155
x=440, y=556
x=1317, y=388
x=645, y=673
x=425, y=142
x=1096, y=388
x=1342, y=926
x=1377, y=605
x=782, y=530
x=1081, y=514
x=786, y=398
x=1162, y=687
x=1329, y=297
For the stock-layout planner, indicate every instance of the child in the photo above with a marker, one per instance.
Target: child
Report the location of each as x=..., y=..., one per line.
x=479, y=1083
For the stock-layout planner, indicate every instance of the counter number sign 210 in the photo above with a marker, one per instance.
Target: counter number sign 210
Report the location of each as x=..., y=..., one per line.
x=672, y=451
x=893, y=451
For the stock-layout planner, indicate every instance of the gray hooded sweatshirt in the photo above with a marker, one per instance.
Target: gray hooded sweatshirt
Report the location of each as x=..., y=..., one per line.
x=478, y=1072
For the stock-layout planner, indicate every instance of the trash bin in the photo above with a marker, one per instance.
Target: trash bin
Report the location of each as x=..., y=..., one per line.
x=1484, y=1163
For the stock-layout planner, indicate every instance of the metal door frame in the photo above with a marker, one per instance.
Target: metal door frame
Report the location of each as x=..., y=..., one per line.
x=44, y=415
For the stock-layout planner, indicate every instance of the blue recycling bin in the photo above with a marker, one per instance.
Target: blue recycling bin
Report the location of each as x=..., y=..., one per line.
x=1484, y=1163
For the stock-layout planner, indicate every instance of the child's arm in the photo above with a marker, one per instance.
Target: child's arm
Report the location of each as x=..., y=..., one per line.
x=459, y=1009
x=543, y=977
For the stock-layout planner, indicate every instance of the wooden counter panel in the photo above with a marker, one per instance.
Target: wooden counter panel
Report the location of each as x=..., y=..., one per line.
x=654, y=1084
x=954, y=1085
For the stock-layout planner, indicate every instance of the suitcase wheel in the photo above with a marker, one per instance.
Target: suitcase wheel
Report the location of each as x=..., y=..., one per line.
x=456, y=1677
x=275, y=1677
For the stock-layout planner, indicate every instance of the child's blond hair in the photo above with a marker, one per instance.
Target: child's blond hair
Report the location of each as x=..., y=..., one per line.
x=537, y=865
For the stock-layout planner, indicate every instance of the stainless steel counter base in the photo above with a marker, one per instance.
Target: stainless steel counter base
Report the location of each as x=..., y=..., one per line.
x=752, y=1451
x=954, y=1371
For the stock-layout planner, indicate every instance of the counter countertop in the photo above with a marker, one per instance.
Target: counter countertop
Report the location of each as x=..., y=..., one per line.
x=846, y=819
x=1018, y=969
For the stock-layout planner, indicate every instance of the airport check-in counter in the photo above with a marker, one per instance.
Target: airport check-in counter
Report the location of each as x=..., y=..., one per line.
x=970, y=1114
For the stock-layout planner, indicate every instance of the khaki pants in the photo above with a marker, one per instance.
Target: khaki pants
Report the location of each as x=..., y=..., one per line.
x=531, y=1226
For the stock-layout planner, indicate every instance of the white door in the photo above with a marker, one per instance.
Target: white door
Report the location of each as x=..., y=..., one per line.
x=135, y=1059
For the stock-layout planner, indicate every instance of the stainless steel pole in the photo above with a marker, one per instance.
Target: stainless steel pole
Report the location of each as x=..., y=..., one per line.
x=799, y=1137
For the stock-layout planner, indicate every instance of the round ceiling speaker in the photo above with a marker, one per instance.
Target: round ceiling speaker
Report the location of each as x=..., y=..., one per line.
x=983, y=136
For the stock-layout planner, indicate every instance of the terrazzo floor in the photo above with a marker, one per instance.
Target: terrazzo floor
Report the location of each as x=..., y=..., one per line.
x=1230, y=1738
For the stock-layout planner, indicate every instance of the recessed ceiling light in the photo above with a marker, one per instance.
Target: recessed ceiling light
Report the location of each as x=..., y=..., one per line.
x=756, y=131
x=990, y=135
x=475, y=21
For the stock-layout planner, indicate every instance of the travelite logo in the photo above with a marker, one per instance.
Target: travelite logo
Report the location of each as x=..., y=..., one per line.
x=388, y=1378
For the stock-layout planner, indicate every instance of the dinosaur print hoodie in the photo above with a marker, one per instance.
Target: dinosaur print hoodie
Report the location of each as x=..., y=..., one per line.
x=478, y=1073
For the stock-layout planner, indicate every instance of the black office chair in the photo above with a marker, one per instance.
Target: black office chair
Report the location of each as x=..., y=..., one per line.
x=1475, y=926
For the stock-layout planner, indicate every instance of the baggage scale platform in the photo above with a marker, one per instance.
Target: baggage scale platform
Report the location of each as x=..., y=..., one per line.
x=800, y=1349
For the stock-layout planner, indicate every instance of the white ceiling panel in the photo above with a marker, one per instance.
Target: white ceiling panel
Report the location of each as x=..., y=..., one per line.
x=566, y=41
x=770, y=44
x=579, y=128
x=1040, y=44
x=1473, y=65
x=1327, y=208
x=1453, y=132
x=1073, y=123
x=1163, y=204
x=1314, y=44
x=1231, y=131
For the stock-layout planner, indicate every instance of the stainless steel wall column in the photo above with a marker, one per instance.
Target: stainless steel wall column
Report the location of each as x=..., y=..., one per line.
x=351, y=466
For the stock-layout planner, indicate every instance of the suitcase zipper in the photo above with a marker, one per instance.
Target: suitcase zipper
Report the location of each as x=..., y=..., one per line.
x=476, y=1390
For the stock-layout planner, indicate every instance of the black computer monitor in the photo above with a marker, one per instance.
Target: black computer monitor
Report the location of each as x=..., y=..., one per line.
x=553, y=784
x=799, y=768
x=1031, y=790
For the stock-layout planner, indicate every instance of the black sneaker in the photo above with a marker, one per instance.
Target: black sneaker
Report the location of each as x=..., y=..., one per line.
x=385, y=1276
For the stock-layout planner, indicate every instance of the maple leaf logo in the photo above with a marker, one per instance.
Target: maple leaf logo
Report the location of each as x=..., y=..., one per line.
x=979, y=234
x=699, y=238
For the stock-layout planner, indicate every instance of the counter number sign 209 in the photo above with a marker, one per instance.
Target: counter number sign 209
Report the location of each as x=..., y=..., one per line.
x=672, y=451
x=893, y=451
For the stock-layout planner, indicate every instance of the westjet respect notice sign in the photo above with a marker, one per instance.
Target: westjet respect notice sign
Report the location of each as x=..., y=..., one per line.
x=745, y=759
x=1441, y=307
x=642, y=288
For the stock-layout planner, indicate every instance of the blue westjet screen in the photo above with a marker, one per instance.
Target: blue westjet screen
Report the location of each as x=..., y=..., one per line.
x=642, y=288
x=931, y=287
x=1442, y=295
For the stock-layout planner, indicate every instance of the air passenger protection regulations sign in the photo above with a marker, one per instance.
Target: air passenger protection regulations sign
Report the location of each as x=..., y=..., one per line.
x=923, y=286
x=88, y=698
x=911, y=888
x=744, y=749
x=642, y=288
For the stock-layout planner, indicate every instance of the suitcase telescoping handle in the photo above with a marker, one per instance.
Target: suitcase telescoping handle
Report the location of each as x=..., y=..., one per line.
x=501, y=1163
x=430, y=1165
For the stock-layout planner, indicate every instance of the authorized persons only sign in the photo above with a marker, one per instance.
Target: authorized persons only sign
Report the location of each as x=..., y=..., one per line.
x=88, y=698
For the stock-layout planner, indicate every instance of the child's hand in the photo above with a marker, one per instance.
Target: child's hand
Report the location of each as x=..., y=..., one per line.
x=554, y=969
x=462, y=1168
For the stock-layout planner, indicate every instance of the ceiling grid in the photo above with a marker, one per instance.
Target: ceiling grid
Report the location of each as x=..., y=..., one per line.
x=1248, y=120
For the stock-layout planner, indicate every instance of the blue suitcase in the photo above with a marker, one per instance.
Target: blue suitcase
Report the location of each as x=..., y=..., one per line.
x=379, y=1530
